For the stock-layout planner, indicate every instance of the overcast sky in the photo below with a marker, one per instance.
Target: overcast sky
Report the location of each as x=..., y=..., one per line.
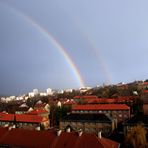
x=106, y=40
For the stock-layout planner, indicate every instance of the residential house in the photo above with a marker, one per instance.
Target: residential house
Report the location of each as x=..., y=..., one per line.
x=31, y=121
x=24, y=121
x=6, y=119
x=89, y=123
x=118, y=112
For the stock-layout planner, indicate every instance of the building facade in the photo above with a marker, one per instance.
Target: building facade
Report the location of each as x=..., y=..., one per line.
x=118, y=112
x=90, y=123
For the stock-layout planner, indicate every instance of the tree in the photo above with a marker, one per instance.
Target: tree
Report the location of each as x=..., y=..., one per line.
x=57, y=113
x=138, y=106
x=60, y=113
x=136, y=138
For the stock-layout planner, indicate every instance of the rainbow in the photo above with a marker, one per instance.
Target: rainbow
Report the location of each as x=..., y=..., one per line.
x=58, y=46
x=101, y=61
x=97, y=51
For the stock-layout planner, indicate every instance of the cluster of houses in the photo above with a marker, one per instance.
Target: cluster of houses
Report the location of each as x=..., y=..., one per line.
x=94, y=117
x=26, y=117
x=103, y=114
x=88, y=115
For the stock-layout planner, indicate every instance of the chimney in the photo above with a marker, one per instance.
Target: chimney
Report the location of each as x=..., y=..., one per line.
x=99, y=135
x=9, y=128
x=68, y=130
x=59, y=132
x=80, y=132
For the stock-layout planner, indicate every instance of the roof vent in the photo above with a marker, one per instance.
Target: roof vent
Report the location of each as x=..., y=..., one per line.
x=59, y=132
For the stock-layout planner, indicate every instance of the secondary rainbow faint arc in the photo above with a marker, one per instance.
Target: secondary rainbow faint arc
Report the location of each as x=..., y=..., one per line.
x=96, y=50
x=54, y=42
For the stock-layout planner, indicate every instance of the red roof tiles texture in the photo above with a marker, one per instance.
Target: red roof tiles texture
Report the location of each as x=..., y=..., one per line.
x=28, y=118
x=49, y=139
x=22, y=118
x=86, y=97
x=101, y=107
x=6, y=117
x=38, y=112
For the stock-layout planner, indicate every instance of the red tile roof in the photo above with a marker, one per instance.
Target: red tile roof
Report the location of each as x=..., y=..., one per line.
x=95, y=100
x=6, y=117
x=38, y=112
x=48, y=139
x=66, y=140
x=28, y=138
x=145, y=91
x=108, y=143
x=29, y=118
x=3, y=130
x=89, y=141
x=40, y=105
x=101, y=107
x=86, y=97
x=145, y=83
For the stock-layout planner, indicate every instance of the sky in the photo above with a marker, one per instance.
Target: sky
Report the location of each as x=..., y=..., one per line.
x=71, y=43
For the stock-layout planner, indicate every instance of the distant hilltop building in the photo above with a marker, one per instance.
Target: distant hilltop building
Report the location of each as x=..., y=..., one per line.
x=69, y=90
x=35, y=91
x=43, y=94
x=49, y=91
x=12, y=97
x=60, y=91
x=31, y=94
x=84, y=89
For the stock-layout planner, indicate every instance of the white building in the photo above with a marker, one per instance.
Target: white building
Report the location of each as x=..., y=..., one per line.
x=35, y=91
x=43, y=94
x=31, y=94
x=84, y=89
x=49, y=91
x=69, y=90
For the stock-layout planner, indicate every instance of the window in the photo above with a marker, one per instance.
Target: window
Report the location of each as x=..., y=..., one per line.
x=120, y=115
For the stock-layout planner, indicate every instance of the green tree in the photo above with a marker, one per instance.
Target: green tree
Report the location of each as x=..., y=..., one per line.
x=138, y=106
x=57, y=113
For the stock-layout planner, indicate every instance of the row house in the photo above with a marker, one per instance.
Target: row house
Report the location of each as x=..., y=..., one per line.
x=31, y=122
x=89, y=123
x=95, y=100
x=118, y=112
x=120, y=100
x=24, y=121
